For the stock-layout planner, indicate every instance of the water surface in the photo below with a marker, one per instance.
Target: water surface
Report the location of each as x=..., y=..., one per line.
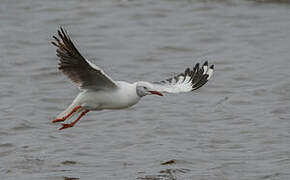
x=236, y=127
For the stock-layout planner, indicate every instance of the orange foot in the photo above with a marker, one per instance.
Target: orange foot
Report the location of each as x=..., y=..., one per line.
x=67, y=116
x=64, y=126
x=58, y=120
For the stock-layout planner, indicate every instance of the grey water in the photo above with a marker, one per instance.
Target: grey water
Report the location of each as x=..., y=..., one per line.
x=235, y=127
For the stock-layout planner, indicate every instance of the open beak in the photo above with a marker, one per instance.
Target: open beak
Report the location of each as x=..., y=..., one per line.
x=156, y=92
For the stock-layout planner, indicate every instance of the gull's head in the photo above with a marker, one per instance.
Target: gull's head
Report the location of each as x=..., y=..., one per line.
x=145, y=88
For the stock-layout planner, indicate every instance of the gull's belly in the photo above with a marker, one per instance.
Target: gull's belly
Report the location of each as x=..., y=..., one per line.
x=114, y=101
x=108, y=100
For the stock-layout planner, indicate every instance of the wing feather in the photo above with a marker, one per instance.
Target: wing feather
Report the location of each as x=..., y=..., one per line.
x=190, y=80
x=81, y=71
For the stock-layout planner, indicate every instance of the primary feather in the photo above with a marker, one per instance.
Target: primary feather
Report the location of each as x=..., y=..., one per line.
x=190, y=80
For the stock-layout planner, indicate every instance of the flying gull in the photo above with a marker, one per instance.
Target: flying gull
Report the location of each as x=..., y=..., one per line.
x=99, y=91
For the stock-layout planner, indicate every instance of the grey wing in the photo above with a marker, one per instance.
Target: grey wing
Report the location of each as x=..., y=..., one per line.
x=190, y=80
x=81, y=71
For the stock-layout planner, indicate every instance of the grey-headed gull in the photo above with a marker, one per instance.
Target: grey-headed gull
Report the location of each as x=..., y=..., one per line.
x=99, y=91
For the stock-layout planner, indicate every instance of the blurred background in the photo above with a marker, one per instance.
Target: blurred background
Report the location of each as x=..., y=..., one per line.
x=235, y=127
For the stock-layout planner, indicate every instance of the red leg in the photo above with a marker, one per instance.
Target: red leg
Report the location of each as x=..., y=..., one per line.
x=68, y=115
x=64, y=126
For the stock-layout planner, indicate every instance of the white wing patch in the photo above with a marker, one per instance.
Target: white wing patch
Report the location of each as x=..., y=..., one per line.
x=210, y=72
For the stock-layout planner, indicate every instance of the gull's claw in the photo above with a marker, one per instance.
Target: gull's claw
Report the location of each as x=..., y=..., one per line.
x=75, y=109
x=64, y=126
x=58, y=120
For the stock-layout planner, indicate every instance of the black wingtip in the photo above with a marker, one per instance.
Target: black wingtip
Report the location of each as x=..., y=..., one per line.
x=212, y=67
x=205, y=63
x=59, y=34
x=187, y=71
x=63, y=31
x=53, y=43
x=196, y=66
x=61, y=28
x=54, y=37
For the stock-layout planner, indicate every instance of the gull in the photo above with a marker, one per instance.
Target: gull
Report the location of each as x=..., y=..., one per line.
x=98, y=91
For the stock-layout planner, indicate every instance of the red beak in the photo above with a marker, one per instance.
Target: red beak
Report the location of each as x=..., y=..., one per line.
x=156, y=92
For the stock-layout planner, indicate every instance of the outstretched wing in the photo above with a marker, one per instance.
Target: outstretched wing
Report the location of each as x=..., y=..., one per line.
x=81, y=71
x=190, y=80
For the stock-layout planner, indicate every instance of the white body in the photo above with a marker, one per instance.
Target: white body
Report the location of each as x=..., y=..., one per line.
x=123, y=97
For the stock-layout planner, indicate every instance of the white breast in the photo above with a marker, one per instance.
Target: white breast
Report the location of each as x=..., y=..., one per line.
x=123, y=97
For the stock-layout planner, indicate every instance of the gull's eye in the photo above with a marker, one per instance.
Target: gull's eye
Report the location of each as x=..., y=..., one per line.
x=145, y=88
